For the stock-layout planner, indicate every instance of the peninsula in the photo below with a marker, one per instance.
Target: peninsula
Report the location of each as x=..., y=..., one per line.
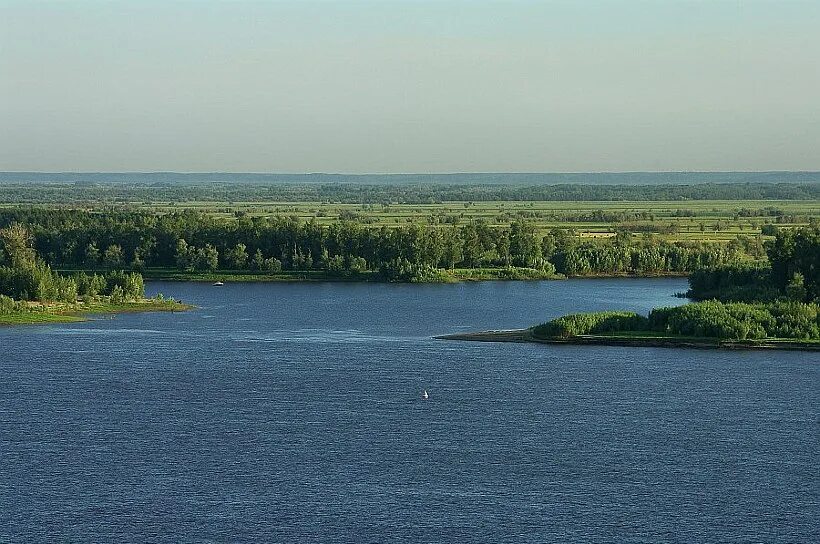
x=747, y=306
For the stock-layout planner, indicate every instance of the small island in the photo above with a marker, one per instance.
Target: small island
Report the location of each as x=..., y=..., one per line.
x=740, y=306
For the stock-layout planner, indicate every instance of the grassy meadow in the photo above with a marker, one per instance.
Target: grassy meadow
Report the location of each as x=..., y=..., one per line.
x=705, y=220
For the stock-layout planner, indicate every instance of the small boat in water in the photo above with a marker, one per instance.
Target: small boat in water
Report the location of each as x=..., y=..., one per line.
x=218, y=284
x=424, y=395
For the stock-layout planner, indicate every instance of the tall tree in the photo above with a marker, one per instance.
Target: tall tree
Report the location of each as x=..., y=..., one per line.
x=17, y=242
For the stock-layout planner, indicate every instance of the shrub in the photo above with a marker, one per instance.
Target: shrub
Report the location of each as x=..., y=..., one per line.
x=710, y=319
x=738, y=321
x=591, y=323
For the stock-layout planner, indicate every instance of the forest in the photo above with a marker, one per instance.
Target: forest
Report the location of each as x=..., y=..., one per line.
x=95, y=192
x=196, y=242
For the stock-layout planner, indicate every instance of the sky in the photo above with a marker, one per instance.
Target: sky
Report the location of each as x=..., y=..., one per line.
x=409, y=86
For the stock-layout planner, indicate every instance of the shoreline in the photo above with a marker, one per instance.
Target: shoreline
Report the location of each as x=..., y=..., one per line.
x=65, y=313
x=526, y=336
x=314, y=276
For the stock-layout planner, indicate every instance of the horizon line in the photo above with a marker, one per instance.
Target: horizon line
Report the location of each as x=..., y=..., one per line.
x=453, y=173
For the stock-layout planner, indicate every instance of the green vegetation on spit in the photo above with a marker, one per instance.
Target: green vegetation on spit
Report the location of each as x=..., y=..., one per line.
x=708, y=319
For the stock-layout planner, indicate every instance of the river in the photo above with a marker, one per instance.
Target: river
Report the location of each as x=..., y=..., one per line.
x=293, y=413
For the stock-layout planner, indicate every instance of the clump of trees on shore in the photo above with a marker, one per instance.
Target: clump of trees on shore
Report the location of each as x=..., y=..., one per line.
x=738, y=320
x=792, y=272
x=24, y=277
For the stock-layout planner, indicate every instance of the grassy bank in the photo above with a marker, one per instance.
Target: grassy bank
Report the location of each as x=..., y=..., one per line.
x=166, y=274
x=511, y=273
x=442, y=276
x=501, y=274
x=37, y=313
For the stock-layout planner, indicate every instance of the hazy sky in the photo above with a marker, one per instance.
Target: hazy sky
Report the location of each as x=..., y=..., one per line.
x=409, y=86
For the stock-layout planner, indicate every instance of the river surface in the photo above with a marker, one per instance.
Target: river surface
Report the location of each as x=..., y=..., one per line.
x=293, y=413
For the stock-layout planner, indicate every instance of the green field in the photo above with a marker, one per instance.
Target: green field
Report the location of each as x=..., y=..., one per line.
x=708, y=220
x=704, y=220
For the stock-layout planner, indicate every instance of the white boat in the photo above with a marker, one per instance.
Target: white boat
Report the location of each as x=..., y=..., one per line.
x=424, y=395
x=218, y=284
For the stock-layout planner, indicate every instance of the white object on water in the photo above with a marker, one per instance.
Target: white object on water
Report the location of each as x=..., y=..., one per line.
x=424, y=395
x=218, y=283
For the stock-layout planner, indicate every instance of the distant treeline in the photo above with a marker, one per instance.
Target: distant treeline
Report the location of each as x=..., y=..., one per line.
x=468, y=178
x=194, y=241
x=406, y=193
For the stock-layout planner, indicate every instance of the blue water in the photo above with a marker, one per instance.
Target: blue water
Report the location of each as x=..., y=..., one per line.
x=292, y=413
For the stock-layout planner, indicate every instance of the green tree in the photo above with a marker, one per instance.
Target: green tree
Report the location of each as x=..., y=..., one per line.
x=237, y=256
x=796, y=288
x=207, y=258
x=524, y=247
x=17, y=242
x=112, y=256
x=183, y=255
x=92, y=255
x=258, y=261
x=548, y=246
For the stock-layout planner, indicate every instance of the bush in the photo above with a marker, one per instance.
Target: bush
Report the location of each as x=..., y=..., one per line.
x=711, y=319
x=591, y=323
x=738, y=321
x=402, y=270
x=10, y=306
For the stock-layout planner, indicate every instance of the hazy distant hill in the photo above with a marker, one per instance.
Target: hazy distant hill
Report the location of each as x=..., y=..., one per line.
x=603, y=178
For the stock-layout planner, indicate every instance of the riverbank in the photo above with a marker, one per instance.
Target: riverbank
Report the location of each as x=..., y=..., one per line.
x=441, y=276
x=37, y=313
x=456, y=275
x=635, y=340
